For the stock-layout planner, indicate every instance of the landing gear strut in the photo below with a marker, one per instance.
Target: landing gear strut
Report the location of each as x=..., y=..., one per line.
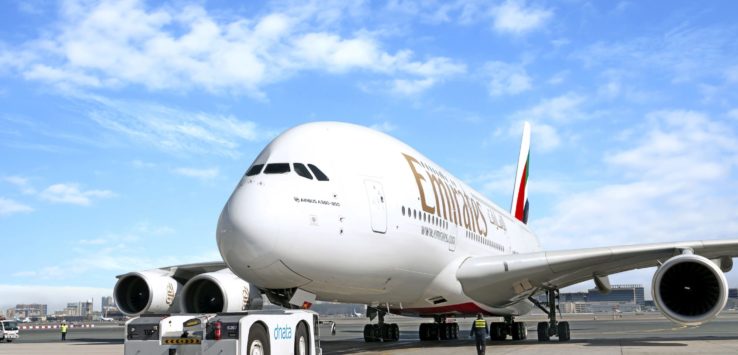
x=438, y=330
x=551, y=328
x=500, y=330
x=381, y=331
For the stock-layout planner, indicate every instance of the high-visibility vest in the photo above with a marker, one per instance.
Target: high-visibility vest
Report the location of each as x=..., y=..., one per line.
x=63, y=328
x=480, y=323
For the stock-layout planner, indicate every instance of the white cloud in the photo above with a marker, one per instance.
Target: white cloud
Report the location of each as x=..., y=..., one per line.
x=672, y=184
x=731, y=74
x=174, y=130
x=558, y=78
x=545, y=137
x=140, y=164
x=71, y=194
x=22, y=183
x=147, y=229
x=8, y=207
x=202, y=174
x=547, y=117
x=513, y=16
x=385, y=126
x=410, y=87
x=684, y=53
x=31, y=7
x=733, y=114
x=562, y=109
x=118, y=43
x=507, y=79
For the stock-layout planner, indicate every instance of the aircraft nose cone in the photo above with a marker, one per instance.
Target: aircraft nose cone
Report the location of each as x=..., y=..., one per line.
x=242, y=235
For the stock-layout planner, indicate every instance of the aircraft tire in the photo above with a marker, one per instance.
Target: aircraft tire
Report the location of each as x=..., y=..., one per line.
x=497, y=331
x=368, y=333
x=564, y=331
x=543, y=331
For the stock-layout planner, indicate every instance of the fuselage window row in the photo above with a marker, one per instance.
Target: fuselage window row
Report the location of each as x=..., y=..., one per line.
x=424, y=217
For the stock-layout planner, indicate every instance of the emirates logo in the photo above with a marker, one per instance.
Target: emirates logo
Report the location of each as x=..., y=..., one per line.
x=170, y=293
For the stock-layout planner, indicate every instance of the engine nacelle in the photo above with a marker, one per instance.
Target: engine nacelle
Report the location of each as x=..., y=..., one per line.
x=151, y=291
x=219, y=291
x=689, y=289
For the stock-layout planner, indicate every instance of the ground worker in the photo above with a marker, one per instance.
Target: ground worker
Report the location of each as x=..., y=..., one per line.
x=479, y=331
x=64, y=331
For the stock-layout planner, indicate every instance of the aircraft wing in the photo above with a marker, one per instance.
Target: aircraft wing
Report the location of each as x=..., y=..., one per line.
x=188, y=271
x=505, y=279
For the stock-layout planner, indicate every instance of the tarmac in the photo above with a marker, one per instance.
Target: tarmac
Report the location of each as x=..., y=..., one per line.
x=629, y=334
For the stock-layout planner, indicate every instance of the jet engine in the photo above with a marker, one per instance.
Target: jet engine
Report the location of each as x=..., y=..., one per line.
x=151, y=291
x=689, y=289
x=219, y=291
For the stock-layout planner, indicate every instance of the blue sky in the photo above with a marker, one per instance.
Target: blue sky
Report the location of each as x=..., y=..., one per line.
x=124, y=125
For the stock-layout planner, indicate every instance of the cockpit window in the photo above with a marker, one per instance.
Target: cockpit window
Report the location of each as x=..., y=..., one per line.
x=318, y=174
x=301, y=170
x=255, y=170
x=277, y=168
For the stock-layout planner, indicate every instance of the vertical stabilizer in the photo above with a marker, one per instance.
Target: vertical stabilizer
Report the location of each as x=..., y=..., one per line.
x=519, y=207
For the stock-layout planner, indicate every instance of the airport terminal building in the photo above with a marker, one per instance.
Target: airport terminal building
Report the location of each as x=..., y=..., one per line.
x=622, y=298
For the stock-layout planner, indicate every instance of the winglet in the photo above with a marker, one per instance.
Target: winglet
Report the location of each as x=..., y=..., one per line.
x=519, y=207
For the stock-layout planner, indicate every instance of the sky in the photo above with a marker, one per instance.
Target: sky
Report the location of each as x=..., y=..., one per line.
x=125, y=125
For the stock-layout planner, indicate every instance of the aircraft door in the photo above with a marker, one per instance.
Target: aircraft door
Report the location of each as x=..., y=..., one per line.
x=377, y=205
x=451, y=237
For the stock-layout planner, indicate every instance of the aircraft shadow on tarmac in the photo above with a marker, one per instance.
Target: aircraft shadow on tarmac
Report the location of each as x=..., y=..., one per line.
x=651, y=341
x=92, y=341
x=342, y=347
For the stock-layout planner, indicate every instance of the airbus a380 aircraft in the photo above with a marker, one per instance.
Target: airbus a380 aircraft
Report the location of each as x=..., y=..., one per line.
x=429, y=245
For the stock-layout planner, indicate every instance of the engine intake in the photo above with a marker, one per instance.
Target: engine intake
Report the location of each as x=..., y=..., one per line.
x=219, y=291
x=689, y=289
x=151, y=291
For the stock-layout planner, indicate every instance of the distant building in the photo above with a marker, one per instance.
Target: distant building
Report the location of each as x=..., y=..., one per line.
x=77, y=309
x=623, y=298
x=106, y=302
x=733, y=293
x=619, y=294
x=573, y=297
x=33, y=310
x=612, y=307
x=10, y=313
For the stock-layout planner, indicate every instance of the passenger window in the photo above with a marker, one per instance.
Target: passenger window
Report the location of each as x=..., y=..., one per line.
x=277, y=168
x=301, y=170
x=318, y=174
x=254, y=170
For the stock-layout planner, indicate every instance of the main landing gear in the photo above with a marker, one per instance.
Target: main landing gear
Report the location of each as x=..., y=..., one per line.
x=381, y=331
x=438, y=330
x=551, y=328
x=500, y=330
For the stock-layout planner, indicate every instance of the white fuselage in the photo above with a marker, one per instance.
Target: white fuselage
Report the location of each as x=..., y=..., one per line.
x=389, y=228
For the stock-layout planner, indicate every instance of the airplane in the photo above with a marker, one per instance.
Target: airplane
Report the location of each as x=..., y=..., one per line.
x=24, y=320
x=431, y=246
x=356, y=314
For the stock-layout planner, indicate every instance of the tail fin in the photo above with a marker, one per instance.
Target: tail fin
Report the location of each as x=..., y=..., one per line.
x=519, y=207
